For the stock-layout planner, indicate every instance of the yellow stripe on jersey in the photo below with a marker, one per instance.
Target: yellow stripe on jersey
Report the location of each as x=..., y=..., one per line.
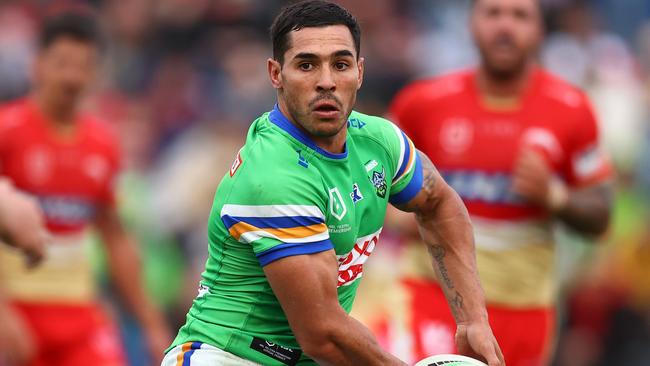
x=242, y=228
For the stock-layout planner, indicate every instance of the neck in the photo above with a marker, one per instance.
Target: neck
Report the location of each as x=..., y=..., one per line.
x=492, y=86
x=59, y=115
x=332, y=144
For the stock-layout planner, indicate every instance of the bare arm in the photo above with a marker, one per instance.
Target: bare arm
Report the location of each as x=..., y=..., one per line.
x=446, y=229
x=586, y=210
x=21, y=222
x=124, y=263
x=17, y=344
x=21, y=225
x=305, y=285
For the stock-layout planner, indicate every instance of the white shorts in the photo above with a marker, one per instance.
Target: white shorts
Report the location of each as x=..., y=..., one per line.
x=201, y=354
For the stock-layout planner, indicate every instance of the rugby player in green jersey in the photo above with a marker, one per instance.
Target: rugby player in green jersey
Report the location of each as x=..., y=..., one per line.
x=301, y=210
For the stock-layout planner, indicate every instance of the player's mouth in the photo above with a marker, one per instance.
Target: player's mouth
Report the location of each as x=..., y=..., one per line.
x=326, y=109
x=503, y=46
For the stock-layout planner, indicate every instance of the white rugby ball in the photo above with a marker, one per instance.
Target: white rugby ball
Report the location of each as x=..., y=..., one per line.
x=449, y=360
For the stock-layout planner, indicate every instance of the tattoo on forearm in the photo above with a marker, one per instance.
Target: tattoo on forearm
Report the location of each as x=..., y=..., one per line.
x=438, y=253
x=456, y=304
x=458, y=300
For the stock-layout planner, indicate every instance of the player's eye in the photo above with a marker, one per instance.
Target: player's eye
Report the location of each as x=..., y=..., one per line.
x=493, y=12
x=521, y=14
x=306, y=66
x=340, y=66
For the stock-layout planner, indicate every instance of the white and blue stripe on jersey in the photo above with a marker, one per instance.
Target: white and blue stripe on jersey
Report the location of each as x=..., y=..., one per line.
x=301, y=228
x=409, y=161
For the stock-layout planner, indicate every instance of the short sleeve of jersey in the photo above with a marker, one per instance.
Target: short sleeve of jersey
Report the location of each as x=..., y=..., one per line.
x=278, y=212
x=587, y=163
x=407, y=178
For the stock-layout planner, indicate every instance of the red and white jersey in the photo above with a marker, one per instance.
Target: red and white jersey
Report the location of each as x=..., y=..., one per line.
x=475, y=146
x=72, y=178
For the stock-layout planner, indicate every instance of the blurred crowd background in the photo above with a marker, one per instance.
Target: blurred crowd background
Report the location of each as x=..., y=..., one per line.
x=182, y=79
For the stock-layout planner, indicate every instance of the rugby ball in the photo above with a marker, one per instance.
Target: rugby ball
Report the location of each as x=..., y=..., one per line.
x=449, y=360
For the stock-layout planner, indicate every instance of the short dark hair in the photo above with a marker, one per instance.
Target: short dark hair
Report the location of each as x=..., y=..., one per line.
x=79, y=27
x=310, y=13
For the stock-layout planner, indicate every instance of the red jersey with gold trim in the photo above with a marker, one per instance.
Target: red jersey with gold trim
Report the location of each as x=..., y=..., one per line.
x=475, y=145
x=72, y=177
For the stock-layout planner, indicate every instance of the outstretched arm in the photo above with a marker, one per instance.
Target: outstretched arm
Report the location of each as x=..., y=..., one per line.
x=446, y=229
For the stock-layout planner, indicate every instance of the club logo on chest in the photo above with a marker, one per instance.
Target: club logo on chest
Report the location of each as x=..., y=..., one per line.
x=379, y=182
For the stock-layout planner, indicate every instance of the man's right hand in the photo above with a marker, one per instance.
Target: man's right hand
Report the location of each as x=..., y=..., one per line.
x=17, y=346
x=21, y=222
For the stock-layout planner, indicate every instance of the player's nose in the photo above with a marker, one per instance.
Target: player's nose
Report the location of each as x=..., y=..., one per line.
x=326, y=80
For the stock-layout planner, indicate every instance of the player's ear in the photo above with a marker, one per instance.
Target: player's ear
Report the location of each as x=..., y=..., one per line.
x=275, y=72
x=360, y=65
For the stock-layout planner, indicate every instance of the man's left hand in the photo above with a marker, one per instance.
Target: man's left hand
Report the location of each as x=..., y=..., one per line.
x=476, y=340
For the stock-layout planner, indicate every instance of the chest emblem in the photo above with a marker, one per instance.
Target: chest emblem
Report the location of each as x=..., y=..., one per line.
x=456, y=135
x=337, y=206
x=356, y=194
x=379, y=182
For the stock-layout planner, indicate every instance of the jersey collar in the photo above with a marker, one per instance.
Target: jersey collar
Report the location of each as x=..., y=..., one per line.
x=283, y=122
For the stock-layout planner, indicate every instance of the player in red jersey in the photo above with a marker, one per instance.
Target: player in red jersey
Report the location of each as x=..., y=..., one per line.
x=50, y=315
x=520, y=147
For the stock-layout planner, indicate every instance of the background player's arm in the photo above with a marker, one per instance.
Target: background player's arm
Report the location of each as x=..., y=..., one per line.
x=582, y=199
x=17, y=344
x=21, y=222
x=124, y=263
x=305, y=285
x=586, y=209
x=446, y=229
x=21, y=225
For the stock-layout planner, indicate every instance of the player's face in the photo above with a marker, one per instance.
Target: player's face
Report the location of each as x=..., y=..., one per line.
x=65, y=69
x=507, y=33
x=319, y=79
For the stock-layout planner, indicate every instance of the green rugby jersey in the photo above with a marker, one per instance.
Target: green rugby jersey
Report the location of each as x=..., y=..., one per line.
x=286, y=196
